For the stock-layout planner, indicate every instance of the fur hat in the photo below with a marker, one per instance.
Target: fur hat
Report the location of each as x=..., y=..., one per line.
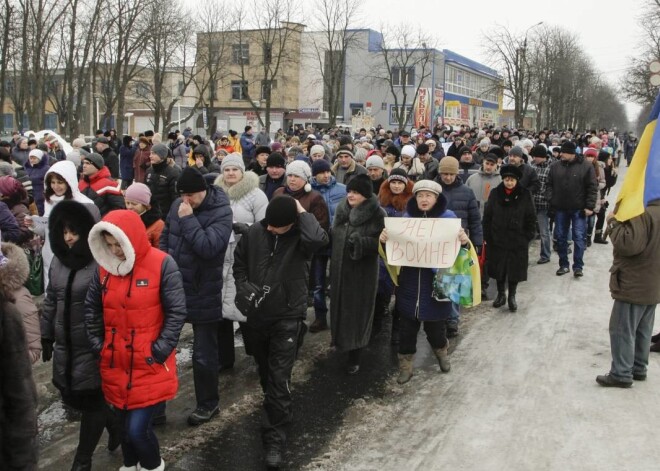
x=200, y=149
x=233, y=160
x=191, y=181
x=429, y=185
x=361, y=184
x=276, y=160
x=449, y=165
x=95, y=159
x=394, y=150
x=281, y=211
x=262, y=150
x=138, y=193
x=511, y=171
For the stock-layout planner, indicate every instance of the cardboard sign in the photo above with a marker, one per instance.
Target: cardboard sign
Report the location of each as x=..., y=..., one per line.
x=422, y=242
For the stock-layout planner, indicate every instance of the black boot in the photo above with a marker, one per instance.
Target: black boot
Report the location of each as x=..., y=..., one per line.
x=501, y=295
x=92, y=424
x=598, y=239
x=114, y=431
x=513, y=305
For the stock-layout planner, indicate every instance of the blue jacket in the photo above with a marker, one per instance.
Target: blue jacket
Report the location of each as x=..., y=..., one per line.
x=198, y=244
x=414, y=294
x=461, y=200
x=332, y=193
x=248, y=147
x=126, y=154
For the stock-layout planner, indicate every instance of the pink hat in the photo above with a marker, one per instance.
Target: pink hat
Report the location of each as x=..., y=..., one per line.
x=138, y=193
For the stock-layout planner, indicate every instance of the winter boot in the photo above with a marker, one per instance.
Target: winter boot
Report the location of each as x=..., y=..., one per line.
x=500, y=300
x=405, y=368
x=513, y=305
x=655, y=338
x=599, y=239
x=80, y=464
x=442, y=354
x=160, y=467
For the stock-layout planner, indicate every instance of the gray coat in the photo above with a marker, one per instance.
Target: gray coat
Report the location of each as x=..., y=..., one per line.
x=354, y=272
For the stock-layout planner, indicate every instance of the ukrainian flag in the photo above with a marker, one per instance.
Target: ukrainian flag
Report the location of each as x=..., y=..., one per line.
x=642, y=183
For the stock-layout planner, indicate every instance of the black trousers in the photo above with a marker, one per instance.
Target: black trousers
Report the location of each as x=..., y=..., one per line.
x=436, y=334
x=226, y=354
x=274, y=348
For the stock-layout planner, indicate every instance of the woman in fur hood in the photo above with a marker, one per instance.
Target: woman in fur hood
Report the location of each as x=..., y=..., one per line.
x=14, y=275
x=248, y=205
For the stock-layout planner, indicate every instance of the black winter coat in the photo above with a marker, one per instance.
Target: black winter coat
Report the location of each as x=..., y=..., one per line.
x=112, y=162
x=509, y=227
x=280, y=262
x=161, y=180
x=461, y=200
x=571, y=185
x=354, y=272
x=198, y=244
x=75, y=367
x=126, y=171
x=530, y=179
x=18, y=394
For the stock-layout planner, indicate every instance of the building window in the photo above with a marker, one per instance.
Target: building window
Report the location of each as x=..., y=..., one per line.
x=214, y=51
x=142, y=90
x=268, y=53
x=469, y=84
x=8, y=121
x=239, y=90
x=240, y=54
x=267, y=87
x=403, y=77
x=408, y=114
x=383, y=106
x=181, y=88
x=213, y=90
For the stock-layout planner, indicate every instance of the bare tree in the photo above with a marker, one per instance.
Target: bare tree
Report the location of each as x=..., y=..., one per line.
x=273, y=26
x=636, y=85
x=7, y=13
x=508, y=54
x=334, y=21
x=213, y=56
x=122, y=58
x=405, y=62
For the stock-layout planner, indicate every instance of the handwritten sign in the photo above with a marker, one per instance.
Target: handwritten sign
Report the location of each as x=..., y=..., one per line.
x=422, y=242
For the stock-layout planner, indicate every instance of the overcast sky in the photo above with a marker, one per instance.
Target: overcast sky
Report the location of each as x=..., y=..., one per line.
x=607, y=28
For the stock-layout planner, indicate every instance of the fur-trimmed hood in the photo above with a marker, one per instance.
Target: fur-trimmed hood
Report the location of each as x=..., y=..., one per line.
x=15, y=273
x=398, y=202
x=249, y=182
x=125, y=226
x=79, y=218
x=67, y=170
x=358, y=215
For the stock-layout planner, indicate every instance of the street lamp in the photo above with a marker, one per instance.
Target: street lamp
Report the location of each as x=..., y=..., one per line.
x=521, y=63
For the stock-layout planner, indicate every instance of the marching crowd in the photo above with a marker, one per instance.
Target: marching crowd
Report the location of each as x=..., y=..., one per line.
x=137, y=237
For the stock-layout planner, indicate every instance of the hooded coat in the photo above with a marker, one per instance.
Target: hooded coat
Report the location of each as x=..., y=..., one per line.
x=509, y=226
x=37, y=174
x=134, y=312
x=126, y=154
x=198, y=243
x=75, y=368
x=354, y=272
x=414, y=294
x=14, y=275
x=141, y=163
x=103, y=190
x=248, y=205
x=67, y=171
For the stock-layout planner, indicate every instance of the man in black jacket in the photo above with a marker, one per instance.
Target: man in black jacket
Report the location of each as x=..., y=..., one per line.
x=571, y=191
x=109, y=156
x=274, y=255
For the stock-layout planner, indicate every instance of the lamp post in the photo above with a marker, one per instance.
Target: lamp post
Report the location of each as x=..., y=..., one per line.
x=521, y=63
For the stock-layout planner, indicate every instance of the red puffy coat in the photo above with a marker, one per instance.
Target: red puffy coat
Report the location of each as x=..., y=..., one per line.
x=143, y=310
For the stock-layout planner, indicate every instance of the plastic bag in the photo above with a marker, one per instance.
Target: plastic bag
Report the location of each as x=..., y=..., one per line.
x=456, y=283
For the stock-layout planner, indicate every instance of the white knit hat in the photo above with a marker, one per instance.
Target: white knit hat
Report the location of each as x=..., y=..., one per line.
x=233, y=160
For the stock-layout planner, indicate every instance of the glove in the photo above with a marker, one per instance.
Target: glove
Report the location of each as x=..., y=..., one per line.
x=240, y=228
x=46, y=349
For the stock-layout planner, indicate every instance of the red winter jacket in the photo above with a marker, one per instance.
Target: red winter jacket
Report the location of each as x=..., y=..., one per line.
x=134, y=312
x=103, y=191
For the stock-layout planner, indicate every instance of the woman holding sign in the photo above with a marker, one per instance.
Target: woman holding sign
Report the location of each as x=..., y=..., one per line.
x=358, y=221
x=509, y=226
x=414, y=294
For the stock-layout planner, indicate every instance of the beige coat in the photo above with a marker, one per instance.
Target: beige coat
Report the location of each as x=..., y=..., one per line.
x=12, y=278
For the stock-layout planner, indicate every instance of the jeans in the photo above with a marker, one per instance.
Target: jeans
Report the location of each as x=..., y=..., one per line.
x=591, y=222
x=544, y=231
x=455, y=315
x=631, y=326
x=575, y=222
x=274, y=348
x=139, y=443
x=319, y=267
x=436, y=334
x=205, y=364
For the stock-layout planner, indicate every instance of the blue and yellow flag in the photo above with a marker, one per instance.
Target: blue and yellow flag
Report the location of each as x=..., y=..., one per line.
x=642, y=183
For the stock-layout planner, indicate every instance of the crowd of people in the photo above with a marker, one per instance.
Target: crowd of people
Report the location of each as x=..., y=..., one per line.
x=245, y=232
